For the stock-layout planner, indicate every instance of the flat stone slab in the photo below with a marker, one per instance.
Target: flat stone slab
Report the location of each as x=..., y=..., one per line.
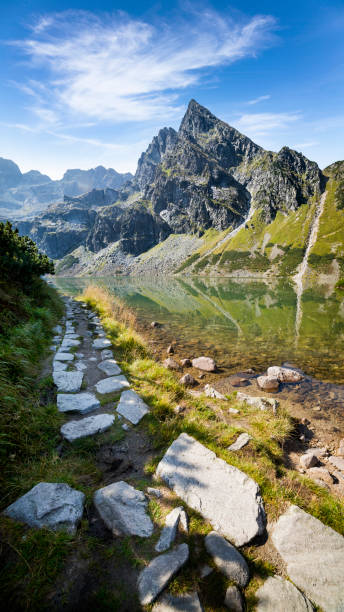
x=106, y=354
x=181, y=603
x=240, y=442
x=132, y=407
x=69, y=382
x=77, y=402
x=279, y=594
x=49, y=504
x=153, y=578
x=123, y=509
x=169, y=532
x=109, y=367
x=71, y=336
x=227, y=558
x=68, y=343
x=338, y=462
x=262, y=403
x=73, y=430
x=113, y=384
x=60, y=356
x=101, y=343
x=314, y=555
x=60, y=366
x=57, y=329
x=221, y=493
x=80, y=366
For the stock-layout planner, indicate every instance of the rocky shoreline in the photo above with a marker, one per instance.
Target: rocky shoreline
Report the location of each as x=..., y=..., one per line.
x=190, y=477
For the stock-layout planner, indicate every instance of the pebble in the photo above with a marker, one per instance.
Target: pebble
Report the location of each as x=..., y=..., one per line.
x=171, y=364
x=204, y=363
x=155, y=492
x=187, y=380
x=170, y=350
x=241, y=441
x=266, y=383
x=308, y=460
x=186, y=363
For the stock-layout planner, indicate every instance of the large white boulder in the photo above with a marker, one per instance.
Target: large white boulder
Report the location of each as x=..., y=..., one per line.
x=314, y=556
x=221, y=493
x=49, y=504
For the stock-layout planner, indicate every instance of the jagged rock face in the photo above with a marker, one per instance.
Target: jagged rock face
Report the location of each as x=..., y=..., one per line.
x=218, y=139
x=149, y=160
x=136, y=228
x=280, y=181
x=9, y=174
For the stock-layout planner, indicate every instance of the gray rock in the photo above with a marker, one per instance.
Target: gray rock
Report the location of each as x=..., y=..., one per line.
x=79, y=355
x=113, y=384
x=92, y=359
x=187, y=380
x=338, y=462
x=221, y=493
x=169, y=532
x=71, y=336
x=308, y=460
x=123, y=510
x=279, y=594
x=240, y=442
x=125, y=427
x=77, y=402
x=80, y=366
x=314, y=555
x=67, y=343
x=59, y=366
x=155, y=492
x=153, y=578
x=69, y=382
x=204, y=363
x=60, y=356
x=268, y=383
x=229, y=561
x=284, y=374
x=211, y=392
x=49, y=504
x=132, y=407
x=57, y=329
x=73, y=430
x=234, y=600
x=106, y=354
x=181, y=603
x=101, y=343
x=109, y=367
x=206, y=570
x=53, y=348
x=262, y=403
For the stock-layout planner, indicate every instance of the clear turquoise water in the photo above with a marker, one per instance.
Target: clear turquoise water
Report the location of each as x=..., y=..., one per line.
x=241, y=323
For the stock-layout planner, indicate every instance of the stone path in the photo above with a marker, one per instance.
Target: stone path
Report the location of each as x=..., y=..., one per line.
x=89, y=380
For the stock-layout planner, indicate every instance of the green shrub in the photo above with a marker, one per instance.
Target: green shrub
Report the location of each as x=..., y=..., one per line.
x=20, y=259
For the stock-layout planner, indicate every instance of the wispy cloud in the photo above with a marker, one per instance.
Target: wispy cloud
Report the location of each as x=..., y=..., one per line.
x=117, y=68
x=259, y=99
x=305, y=145
x=261, y=124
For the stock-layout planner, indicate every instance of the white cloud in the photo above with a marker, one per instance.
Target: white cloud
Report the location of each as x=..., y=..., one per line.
x=259, y=99
x=305, y=145
x=261, y=124
x=117, y=68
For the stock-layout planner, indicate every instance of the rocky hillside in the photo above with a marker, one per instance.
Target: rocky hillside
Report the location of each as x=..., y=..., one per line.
x=251, y=210
x=22, y=195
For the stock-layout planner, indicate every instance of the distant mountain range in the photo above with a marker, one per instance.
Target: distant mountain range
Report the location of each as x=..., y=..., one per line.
x=23, y=195
x=204, y=200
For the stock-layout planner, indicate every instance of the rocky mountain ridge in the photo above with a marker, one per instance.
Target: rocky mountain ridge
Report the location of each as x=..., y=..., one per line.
x=207, y=180
x=25, y=194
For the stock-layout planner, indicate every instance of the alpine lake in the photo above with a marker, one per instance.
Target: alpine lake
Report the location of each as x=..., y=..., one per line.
x=242, y=324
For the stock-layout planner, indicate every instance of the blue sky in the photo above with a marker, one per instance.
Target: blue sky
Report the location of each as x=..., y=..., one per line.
x=82, y=86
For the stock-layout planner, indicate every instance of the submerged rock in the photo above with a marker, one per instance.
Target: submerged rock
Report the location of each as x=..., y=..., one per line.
x=187, y=380
x=221, y=493
x=49, y=504
x=314, y=555
x=268, y=383
x=204, y=363
x=171, y=364
x=279, y=594
x=153, y=578
x=123, y=510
